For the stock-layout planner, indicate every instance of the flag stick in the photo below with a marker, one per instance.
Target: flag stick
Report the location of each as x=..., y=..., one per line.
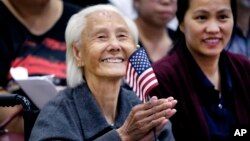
x=155, y=137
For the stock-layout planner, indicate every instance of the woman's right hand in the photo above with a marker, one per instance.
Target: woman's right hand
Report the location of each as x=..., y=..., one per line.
x=146, y=117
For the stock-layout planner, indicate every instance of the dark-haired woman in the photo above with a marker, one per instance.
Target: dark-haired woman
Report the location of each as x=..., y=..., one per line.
x=211, y=84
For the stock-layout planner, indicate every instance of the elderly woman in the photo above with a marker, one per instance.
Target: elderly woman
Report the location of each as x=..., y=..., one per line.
x=95, y=107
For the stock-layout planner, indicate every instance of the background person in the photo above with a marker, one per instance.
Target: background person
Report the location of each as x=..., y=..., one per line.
x=96, y=107
x=241, y=38
x=32, y=36
x=154, y=36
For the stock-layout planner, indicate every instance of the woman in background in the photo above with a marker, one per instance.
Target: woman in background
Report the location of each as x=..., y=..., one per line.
x=153, y=16
x=32, y=37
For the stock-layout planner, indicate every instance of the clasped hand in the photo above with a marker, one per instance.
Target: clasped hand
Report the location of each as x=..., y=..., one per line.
x=147, y=117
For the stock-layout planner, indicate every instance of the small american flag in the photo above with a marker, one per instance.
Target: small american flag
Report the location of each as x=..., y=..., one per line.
x=140, y=75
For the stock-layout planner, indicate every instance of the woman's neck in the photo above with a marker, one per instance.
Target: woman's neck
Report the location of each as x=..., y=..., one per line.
x=106, y=93
x=210, y=67
x=150, y=32
x=37, y=16
x=156, y=40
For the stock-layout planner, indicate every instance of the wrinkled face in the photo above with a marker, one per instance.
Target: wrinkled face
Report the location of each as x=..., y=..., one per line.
x=156, y=12
x=106, y=45
x=207, y=26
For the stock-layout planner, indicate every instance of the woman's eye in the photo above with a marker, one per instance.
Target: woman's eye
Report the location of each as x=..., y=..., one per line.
x=122, y=36
x=201, y=17
x=223, y=17
x=102, y=37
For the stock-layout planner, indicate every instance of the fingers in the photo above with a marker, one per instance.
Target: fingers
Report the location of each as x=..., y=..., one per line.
x=153, y=102
x=154, y=109
x=172, y=102
x=159, y=128
x=159, y=110
x=170, y=113
x=153, y=112
x=147, y=116
x=148, y=137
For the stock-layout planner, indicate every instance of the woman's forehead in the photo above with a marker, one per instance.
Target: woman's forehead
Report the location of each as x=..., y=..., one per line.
x=104, y=18
x=103, y=15
x=209, y=5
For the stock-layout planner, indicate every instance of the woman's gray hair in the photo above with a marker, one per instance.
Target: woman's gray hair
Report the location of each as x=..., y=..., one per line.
x=74, y=29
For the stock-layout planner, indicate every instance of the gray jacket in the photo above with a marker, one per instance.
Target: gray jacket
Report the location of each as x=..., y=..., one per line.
x=75, y=115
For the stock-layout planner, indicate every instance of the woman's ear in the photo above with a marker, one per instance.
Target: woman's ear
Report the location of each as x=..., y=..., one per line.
x=77, y=54
x=181, y=27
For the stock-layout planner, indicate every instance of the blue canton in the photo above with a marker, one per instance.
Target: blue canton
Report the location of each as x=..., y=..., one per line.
x=140, y=61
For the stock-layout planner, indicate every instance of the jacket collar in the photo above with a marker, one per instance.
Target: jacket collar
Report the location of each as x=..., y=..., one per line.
x=93, y=122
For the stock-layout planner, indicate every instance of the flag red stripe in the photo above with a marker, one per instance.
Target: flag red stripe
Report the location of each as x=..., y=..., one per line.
x=141, y=84
x=146, y=83
x=144, y=78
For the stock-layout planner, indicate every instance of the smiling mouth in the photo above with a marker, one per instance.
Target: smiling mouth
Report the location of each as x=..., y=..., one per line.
x=212, y=40
x=113, y=60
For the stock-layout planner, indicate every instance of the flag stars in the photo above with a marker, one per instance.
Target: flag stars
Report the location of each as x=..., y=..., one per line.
x=140, y=61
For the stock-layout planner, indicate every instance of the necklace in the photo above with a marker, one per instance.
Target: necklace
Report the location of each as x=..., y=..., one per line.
x=220, y=104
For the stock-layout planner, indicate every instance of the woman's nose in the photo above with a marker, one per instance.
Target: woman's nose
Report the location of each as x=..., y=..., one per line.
x=213, y=27
x=114, y=45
